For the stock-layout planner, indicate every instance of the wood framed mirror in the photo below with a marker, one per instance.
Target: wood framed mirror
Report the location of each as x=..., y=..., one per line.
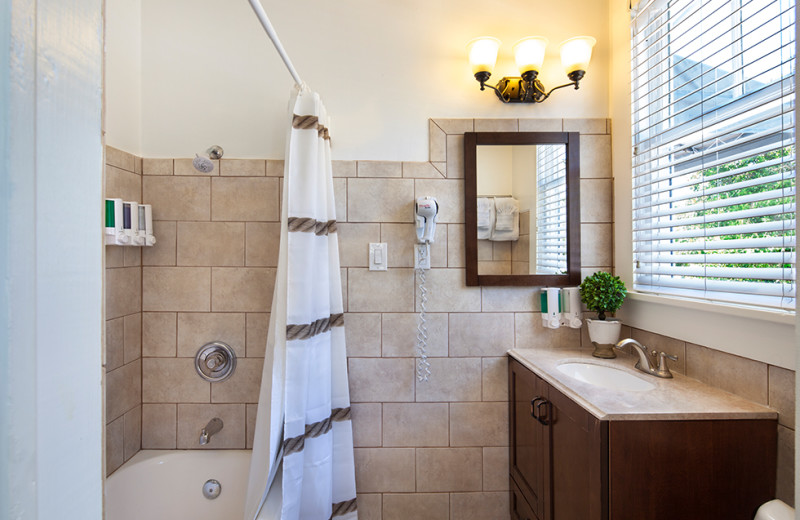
x=522, y=208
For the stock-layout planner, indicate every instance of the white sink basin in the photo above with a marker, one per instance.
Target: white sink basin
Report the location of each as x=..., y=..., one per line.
x=604, y=376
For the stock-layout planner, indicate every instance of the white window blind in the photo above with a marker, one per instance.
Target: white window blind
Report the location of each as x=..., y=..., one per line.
x=551, y=209
x=714, y=150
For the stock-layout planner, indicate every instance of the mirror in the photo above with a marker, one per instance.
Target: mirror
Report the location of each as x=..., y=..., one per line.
x=522, y=208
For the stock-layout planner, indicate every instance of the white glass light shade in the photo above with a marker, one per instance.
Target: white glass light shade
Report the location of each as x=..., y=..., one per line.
x=483, y=53
x=529, y=53
x=576, y=53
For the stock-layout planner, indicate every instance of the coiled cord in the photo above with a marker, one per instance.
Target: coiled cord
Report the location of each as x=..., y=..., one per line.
x=423, y=365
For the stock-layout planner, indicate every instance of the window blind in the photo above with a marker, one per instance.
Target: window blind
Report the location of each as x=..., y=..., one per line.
x=714, y=150
x=551, y=209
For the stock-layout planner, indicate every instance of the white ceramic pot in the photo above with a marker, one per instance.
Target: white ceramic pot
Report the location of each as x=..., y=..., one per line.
x=604, y=332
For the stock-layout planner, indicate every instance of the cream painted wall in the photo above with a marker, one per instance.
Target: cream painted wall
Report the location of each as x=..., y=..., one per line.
x=496, y=166
x=123, y=75
x=211, y=76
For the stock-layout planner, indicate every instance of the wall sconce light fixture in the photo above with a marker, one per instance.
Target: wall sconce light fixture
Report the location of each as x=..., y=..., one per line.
x=529, y=55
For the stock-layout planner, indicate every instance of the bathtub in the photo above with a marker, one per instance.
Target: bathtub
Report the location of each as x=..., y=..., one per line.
x=168, y=485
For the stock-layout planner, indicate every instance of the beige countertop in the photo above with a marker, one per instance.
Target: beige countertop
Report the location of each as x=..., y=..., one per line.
x=679, y=398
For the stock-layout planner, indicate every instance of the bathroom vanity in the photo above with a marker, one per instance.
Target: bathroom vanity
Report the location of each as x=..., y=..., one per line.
x=666, y=449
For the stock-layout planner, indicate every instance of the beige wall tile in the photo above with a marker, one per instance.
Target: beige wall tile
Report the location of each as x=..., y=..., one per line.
x=529, y=333
x=496, y=125
x=344, y=277
x=781, y=394
x=400, y=334
x=159, y=334
x=366, y=419
x=495, y=469
x=159, y=426
x=448, y=292
x=495, y=379
x=115, y=256
x=121, y=184
x=369, y=506
x=785, y=488
x=123, y=291
x=119, y=158
x=441, y=167
x=478, y=424
x=479, y=506
x=596, y=244
x=340, y=194
x=275, y=167
x=123, y=389
x=132, y=325
x=380, y=291
x=449, y=469
x=437, y=142
x=363, y=334
x=485, y=250
x=115, y=445
x=661, y=343
x=455, y=126
x=521, y=249
x=595, y=156
x=455, y=245
x=455, y=156
x=419, y=506
x=380, y=200
x=157, y=166
x=131, y=256
x=257, y=329
x=597, y=200
x=738, y=375
x=176, y=288
x=243, y=386
x=193, y=417
x=137, y=165
x=195, y=329
x=243, y=167
x=586, y=126
x=421, y=170
x=415, y=424
x=344, y=168
x=245, y=199
x=541, y=125
x=519, y=299
x=451, y=379
x=163, y=253
x=449, y=194
x=186, y=167
x=383, y=470
x=262, y=243
x=210, y=243
x=400, y=239
x=251, y=412
x=115, y=344
x=133, y=432
x=178, y=198
x=481, y=334
x=354, y=240
x=494, y=268
x=244, y=289
x=379, y=169
x=173, y=380
x=381, y=380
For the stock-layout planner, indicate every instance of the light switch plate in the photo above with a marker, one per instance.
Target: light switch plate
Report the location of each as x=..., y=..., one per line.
x=377, y=256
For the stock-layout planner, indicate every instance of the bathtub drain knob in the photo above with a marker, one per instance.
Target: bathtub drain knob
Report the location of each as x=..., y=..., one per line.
x=212, y=489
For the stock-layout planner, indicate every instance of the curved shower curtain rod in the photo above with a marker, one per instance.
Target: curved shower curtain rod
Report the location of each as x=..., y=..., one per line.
x=264, y=19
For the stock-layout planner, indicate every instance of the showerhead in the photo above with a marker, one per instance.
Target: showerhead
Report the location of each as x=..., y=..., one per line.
x=202, y=164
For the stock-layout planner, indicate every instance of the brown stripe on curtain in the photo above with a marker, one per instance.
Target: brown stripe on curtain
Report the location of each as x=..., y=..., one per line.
x=296, y=444
x=310, y=122
x=342, y=508
x=309, y=330
x=310, y=225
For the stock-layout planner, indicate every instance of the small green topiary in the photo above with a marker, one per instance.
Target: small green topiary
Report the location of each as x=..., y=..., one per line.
x=603, y=292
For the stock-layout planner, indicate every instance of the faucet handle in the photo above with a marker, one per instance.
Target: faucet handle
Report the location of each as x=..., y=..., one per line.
x=663, y=369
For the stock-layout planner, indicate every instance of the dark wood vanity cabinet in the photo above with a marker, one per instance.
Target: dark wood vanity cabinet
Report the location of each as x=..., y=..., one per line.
x=565, y=464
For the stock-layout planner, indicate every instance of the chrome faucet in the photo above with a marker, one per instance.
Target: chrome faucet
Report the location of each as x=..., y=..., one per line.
x=213, y=426
x=647, y=360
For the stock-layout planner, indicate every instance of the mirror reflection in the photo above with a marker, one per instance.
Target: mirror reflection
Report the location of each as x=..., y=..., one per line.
x=522, y=209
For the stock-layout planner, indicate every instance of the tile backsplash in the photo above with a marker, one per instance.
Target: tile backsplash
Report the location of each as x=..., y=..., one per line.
x=437, y=449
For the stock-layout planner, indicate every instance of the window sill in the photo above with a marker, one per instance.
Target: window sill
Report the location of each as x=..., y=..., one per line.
x=754, y=333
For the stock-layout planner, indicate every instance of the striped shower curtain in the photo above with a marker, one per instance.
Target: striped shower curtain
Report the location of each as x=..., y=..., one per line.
x=304, y=438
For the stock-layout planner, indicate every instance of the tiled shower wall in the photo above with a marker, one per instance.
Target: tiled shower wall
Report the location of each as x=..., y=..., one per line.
x=123, y=352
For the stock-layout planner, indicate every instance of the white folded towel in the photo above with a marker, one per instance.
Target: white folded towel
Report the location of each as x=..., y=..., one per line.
x=506, y=226
x=486, y=215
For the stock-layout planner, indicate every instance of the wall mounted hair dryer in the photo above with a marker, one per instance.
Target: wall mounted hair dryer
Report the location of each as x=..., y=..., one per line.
x=426, y=210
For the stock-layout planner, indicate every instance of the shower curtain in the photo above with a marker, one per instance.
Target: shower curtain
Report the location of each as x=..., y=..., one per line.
x=304, y=437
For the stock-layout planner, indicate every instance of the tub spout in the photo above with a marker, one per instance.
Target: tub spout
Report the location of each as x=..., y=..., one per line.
x=213, y=426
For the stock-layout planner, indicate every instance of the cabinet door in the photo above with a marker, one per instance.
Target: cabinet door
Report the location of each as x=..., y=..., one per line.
x=578, y=482
x=527, y=456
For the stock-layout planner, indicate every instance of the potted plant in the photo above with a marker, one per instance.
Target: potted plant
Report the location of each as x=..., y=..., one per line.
x=603, y=293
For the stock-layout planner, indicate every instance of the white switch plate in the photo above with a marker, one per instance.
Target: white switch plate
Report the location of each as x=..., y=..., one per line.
x=377, y=256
